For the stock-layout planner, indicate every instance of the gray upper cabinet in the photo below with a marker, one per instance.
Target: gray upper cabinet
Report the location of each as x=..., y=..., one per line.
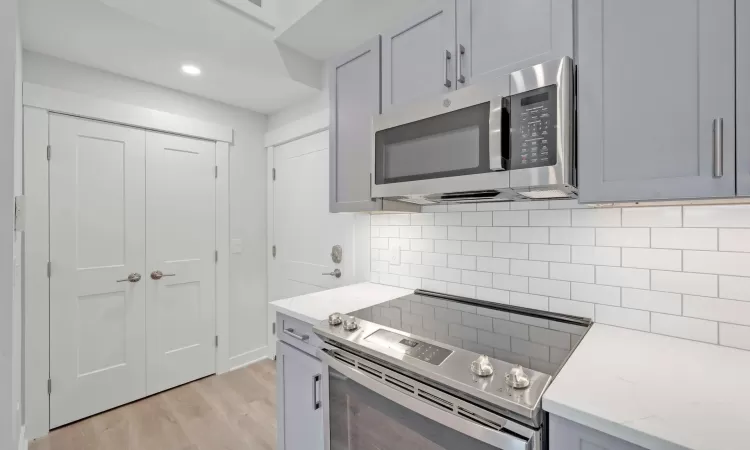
x=298, y=385
x=419, y=57
x=497, y=37
x=355, y=97
x=567, y=435
x=743, y=97
x=655, y=82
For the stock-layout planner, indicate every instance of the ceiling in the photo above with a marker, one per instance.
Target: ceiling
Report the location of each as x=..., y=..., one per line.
x=150, y=39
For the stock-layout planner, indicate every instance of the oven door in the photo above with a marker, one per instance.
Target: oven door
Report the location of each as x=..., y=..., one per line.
x=451, y=143
x=362, y=413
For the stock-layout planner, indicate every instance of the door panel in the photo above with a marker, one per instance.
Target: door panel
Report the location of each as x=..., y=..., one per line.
x=502, y=36
x=414, y=56
x=97, y=224
x=180, y=237
x=299, y=383
x=646, y=115
x=743, y=98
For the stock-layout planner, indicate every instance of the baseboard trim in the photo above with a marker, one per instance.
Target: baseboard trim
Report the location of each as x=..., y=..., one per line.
x=247, y=358
x=23, y=444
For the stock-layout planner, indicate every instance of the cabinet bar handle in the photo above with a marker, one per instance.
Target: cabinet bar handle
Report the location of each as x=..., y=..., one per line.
x=461, y=53
x=316, y=402
x=447, y=77
x=301, y=337
x=718, y=147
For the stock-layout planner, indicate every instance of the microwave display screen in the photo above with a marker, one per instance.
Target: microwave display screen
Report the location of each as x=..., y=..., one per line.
x=533, y=129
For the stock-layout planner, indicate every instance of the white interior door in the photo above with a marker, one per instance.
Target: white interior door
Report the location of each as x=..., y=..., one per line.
x=304, y=231
x=97, y=238
x=180, y=242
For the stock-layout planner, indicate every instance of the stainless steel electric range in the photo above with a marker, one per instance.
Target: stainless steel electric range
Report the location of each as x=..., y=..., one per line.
x=433, y=371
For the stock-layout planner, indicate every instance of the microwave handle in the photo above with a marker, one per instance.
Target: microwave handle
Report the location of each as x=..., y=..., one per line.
x=447, y=75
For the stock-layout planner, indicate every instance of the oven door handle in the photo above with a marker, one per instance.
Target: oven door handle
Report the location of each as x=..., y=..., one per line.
x=502, y=441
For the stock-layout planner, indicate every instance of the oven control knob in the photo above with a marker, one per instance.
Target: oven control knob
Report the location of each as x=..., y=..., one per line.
x=334, y=319
x=350, y=324
x=517, y=378
x=482, y=366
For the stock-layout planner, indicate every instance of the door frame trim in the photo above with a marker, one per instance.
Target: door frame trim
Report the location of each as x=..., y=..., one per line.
x=39, y=103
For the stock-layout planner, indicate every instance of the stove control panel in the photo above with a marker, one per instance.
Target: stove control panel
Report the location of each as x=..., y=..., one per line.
x=416, y=349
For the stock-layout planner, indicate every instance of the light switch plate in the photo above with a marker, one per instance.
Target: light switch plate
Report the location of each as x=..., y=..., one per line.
x=236, y=246
x=395, y=253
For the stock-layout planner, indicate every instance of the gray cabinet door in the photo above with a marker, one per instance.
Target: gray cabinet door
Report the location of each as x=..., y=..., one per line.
x=354, y=84
x=567, y=435
x=416, y=61
x=298, y=384
x=502, y=36
x=653, y=78
x=743, y=97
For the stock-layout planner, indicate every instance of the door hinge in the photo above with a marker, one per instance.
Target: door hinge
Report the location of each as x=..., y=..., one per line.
x=216, y=341
x=49, y=152
x=49, y=269
x=273, y=328
x=216, y=171
x=273, y=251
x=273, y=174
x=49, y=386
x=216, y=256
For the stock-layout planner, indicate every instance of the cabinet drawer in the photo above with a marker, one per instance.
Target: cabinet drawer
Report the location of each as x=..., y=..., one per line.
x=297, y=333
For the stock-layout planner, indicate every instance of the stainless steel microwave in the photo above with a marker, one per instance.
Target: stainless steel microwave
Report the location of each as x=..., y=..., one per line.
x=508, y=139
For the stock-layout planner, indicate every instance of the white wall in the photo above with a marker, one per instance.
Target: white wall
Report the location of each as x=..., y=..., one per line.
x=247, y=306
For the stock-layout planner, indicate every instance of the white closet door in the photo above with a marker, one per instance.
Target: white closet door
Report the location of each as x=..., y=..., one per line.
x=97, y=237
x=180, y=238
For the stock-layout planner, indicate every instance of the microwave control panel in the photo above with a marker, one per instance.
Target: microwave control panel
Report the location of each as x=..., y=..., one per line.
x=533, y=128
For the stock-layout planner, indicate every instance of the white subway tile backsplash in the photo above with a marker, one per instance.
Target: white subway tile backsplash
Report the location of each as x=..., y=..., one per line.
x=623, y=277
x=571, y=272
x=717, y=216
x=684, y=283
x=476, y=219
x=734, y=240
x=476, y=248
x=684, y=238
x=600, y=256
x=510, y=283
x=685, y=327
x=734, y=336
x=720, y=310
x=494, y=234
x=449, y=247
x=623, y=237
x=462, y=233
x=435, y=232
x=523, y=267
x=663, y=302
x=549, y=218
x=652, y=259
x=494, y=265
x=530, y=235
x=629, y=267
x=721, y=263
x=600, y=217
x=510, y=218
x=448, y=218
x=514, y=251
x=473, y=278
x=594, y=293
x=551, y=288
x=623, y=317
x=736, y=288
x=652, y=217
x=462, y=262
x=545, y=252
x=572, y=236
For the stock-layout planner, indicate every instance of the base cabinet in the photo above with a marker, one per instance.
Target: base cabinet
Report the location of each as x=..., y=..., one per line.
x=299, y=405
x=567, y=435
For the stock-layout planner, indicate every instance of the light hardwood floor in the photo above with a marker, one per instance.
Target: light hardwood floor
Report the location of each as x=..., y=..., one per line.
x=233, y=411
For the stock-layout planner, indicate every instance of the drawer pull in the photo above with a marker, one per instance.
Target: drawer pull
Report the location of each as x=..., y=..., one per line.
x=301, y=337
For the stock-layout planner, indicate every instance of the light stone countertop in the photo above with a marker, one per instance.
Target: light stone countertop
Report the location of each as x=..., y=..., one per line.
x=659, y=392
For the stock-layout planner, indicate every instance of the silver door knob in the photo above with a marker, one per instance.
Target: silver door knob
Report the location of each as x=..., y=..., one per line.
x=158, y=275
x=336, y=273
x=133, y=278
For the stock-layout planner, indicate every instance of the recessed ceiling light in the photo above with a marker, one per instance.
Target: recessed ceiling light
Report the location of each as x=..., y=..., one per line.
x=190, y=69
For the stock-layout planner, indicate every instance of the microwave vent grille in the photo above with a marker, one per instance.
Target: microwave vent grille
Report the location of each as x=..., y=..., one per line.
x=471, y=196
